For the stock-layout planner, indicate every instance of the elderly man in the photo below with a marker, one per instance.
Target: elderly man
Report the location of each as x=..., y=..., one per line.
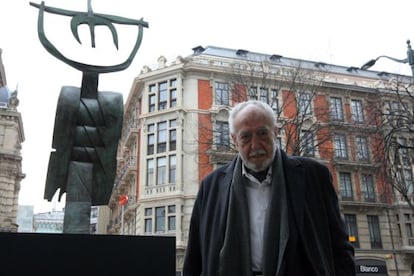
x=266, y=213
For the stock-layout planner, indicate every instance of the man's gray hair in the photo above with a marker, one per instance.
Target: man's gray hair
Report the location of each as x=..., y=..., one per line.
x=242, y=105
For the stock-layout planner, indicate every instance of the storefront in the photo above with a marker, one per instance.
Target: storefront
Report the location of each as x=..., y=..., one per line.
x=370, y=267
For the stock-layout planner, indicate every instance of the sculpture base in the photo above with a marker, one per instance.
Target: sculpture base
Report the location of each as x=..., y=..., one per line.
x=79, y=254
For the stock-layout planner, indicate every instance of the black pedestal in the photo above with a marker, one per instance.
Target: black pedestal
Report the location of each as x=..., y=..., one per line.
x=82, y=254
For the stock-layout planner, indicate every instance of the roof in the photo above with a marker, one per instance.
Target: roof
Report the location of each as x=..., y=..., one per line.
x=276, y=59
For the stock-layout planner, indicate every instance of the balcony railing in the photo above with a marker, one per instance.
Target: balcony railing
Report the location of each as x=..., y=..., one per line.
x=131, y=205
x=131, y=127
x=129, y=164
x=159, y=189
x=113, y=225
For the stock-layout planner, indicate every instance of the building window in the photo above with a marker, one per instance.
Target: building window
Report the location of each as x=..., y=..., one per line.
x=274, y=101
x=172, y=169
x=221, y=93
x=151, y=103
x=374, y=232
x=341, y=151
x=159, y=219
x=162, y=219
x=264, y=95
x=410, y=236
x=150, y=172
x=345, y=186
x=173, y=93
x=402, y=150
x=150, y=147
x=357, y=113
x=361, y=148
x=173, y=135
x=352, y=228
x=368, y=189
x=408, y=229
x=162, y=137
x=336, y=111
x=150, y=139
x=394, y=113
x=253, y=93
x=405, y=181
x=148, y=220
x=271, y=98
x=304, y=104
x=171, y=218
x=221, y=135
x=161, y=170
x=162, y=95
x=151, y=97
x=307, y=141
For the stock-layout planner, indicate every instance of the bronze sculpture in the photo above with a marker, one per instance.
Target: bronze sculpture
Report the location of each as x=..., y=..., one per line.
x=88, y=124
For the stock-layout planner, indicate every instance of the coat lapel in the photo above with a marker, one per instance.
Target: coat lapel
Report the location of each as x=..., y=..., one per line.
x=235, y=257
x=224, y=193
x=295, y=187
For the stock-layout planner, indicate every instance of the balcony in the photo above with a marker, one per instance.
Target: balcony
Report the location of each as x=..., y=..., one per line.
x=361, y=205
x=131, y=206
x=401, y=200
x=160, y=189
x=113, y=226
x=131, y=131
x=368, y=197
x=221, y=155
x=346, y=163
x=129, y=166
x=407, y=245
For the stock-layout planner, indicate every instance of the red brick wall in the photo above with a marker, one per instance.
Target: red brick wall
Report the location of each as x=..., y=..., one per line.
x=205, y=101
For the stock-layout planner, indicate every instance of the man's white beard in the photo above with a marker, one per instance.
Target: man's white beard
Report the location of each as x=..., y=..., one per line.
x=265, y=164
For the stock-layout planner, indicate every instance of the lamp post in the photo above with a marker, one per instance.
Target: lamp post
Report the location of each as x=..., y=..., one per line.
x=409, y=59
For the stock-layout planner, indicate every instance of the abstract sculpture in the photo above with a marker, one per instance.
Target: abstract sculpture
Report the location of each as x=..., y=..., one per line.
x=88, y=124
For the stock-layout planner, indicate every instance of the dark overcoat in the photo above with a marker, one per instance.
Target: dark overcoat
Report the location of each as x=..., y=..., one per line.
x=318, y=241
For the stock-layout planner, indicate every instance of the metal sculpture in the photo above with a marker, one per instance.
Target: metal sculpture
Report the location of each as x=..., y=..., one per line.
x=88, y=124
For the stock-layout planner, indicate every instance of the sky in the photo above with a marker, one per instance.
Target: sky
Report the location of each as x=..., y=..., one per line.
x=347, y=33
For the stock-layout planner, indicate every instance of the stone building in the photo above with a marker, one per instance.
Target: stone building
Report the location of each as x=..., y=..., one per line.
x=11, y=139
x=25, y=216
x=52, y=221
x=175, y=132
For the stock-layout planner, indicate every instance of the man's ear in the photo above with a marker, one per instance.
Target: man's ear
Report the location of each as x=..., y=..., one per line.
x=234, y=139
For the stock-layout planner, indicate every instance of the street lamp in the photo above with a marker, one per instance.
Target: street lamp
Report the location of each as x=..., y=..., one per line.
x=409, y=59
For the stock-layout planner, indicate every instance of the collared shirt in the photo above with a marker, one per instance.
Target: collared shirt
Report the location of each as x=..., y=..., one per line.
x=258, y=200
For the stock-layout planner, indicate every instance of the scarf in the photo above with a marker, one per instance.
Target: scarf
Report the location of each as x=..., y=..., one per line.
x=235, y=255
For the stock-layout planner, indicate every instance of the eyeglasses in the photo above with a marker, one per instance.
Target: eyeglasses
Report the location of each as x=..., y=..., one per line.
x=245, y=137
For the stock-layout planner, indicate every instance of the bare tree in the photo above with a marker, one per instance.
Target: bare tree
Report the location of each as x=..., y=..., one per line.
x=295, y=95
x=395, y=125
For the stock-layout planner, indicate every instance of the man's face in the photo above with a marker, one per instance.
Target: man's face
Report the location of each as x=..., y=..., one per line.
x=254, y=138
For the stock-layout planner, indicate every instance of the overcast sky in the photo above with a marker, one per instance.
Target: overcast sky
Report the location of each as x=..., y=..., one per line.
x=347, y=33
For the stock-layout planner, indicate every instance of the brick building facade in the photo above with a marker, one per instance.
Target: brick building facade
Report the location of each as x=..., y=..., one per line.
x=175, y=132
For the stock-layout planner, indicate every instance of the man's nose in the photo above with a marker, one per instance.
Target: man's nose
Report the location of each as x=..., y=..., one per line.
x=255, y=143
